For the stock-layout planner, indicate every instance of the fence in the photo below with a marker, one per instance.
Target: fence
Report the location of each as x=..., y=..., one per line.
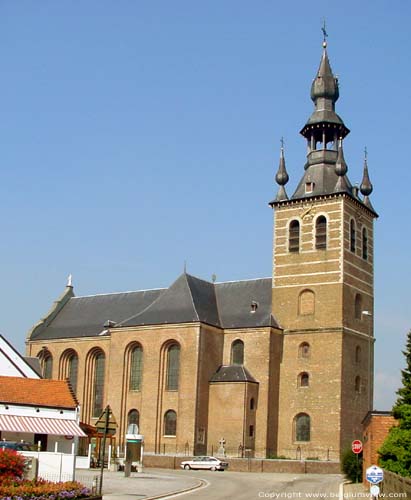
x=393, y=483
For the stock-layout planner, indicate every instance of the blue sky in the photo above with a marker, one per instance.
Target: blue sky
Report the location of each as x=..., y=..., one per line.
x=136, y=135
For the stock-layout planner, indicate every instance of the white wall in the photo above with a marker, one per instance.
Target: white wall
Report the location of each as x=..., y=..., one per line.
x=12, y=364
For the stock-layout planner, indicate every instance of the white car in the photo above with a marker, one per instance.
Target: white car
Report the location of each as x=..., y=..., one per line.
x=210, y=463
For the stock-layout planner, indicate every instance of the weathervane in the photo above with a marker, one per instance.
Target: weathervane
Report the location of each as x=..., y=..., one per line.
x=365, y=153
x=282, y=143
x=325, y=34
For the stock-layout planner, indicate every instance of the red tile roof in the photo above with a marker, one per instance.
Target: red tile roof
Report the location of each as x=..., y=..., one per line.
x=37, y=392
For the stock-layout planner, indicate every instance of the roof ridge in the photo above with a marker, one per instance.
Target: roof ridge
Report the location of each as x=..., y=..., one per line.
x=117, y=293
x=240, y=281
x=191, y=293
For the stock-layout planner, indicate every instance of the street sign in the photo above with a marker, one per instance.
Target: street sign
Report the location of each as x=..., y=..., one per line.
x=107, y=423
x=375, y=490
x=356, y=446
x=374, y=474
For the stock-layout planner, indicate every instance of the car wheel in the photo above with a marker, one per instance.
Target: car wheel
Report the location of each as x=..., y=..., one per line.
x=187, y=467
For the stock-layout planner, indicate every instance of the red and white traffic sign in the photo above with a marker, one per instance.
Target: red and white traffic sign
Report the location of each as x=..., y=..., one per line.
x=356, y=446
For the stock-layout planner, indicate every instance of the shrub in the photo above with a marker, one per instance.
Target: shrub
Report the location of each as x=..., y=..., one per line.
x=42, y=490
x=11, y=464
x=352, y=465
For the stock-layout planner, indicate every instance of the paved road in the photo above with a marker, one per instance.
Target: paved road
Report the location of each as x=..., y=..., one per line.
x=254, y=486
x=225, y=485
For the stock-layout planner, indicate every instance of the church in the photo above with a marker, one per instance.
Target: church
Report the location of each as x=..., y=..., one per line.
x=278, y=366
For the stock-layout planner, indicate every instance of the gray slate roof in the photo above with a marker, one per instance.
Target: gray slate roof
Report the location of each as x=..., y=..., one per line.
x=187, y=300
x=232, y=373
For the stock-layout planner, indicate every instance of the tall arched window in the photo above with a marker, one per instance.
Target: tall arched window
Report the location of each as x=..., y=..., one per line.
x=304, y=350
x=46, y=363
x=170, y=423
x=302, y=427
x=352, y=235
x=133, y=418
x=321, y=233
x=136, y=368
x=294, y=236
x=173, y=367
x=364, y=243
x=358, y=306
x=358, y=354
x=69, y=367
x=357, y=384
x=237, y=352
x=98, y=384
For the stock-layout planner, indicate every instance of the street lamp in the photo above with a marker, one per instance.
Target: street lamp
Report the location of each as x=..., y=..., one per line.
x=369, y=315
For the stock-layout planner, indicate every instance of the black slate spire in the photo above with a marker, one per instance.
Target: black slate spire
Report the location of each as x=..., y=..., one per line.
x=281, y=176
x=366, y=187
x=341, y=169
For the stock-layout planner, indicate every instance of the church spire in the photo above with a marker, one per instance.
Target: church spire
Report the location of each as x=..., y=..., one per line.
x=366, y=187
x=281, y=176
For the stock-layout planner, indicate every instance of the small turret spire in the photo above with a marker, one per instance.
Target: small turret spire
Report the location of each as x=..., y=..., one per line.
x=281, y=176
x=366, y=187
x=341, y=169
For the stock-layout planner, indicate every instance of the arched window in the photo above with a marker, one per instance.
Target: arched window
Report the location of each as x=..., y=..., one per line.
x=303, y=379
x=321, y=233
x=73, y=371
x=136, y=368
x=133, y=418
x=302, y=427
x=306, y=303
x=170, y=423
x=364, y=243
x=358, y=306
x=357, y=384
x=352, y=235
x=304, y=350
x=46, y=363
x=358, y=354
x=237, y=352
x=252, y=404
x=98, y=383
x=294, y=236
x=173, y=367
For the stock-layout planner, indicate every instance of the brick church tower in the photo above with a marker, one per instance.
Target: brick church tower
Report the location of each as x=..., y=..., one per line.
x=323, y=288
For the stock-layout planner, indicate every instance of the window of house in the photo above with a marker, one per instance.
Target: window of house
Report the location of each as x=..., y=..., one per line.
x=304, y=350
x=98, y=383
x=251, y=431
x=173, y=367
x=46, y=363
x=303, y=379
x=357, y=384
x=136, y=368
x=237, y=352
x=309, y=187
x=252, y=404
x=321, y=233
x=294, y=236
x=352, y=235
x=302, y=427
x=170, y=423
x=364, y=243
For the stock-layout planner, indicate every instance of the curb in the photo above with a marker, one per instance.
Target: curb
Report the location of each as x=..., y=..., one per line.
x=201, y=483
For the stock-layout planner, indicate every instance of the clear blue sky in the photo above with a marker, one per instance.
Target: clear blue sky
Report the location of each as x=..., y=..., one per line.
x=135, y=135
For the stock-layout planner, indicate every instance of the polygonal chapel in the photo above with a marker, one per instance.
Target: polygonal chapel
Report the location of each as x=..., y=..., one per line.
x=280, y=365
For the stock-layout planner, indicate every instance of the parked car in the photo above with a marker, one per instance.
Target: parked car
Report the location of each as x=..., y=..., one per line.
x=16, y=445
x=210, y=463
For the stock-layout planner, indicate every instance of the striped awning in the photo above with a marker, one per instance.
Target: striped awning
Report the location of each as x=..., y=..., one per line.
x=40, y=425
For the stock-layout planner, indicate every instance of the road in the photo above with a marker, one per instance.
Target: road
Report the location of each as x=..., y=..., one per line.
x=254, y=486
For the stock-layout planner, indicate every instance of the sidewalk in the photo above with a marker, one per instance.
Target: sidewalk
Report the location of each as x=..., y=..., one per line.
x=140, y=485
x=352, y=490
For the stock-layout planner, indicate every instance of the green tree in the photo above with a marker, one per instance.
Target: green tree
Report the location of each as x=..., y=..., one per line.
x=395, y=453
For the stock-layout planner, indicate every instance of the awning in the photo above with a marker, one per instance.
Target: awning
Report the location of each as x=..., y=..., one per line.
x=40, y=425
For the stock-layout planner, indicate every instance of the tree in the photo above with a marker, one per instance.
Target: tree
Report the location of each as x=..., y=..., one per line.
x=395, y=453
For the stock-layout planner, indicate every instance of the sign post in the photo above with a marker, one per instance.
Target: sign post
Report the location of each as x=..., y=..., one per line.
x=356, y=447
x=106, y=424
